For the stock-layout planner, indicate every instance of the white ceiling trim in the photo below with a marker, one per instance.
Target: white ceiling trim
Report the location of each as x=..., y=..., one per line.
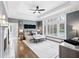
x=70, y=7
x=18, y=13
x=64, y=5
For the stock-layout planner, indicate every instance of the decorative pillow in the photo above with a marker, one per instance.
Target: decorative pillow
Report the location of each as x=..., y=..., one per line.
x=75, y=38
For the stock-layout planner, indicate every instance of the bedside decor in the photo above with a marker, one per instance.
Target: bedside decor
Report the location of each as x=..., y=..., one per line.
x=76, y=30
x=21, y=35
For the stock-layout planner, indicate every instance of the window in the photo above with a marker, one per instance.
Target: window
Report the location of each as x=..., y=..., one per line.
x=44, y=29
x=55, y=28
x=62, y=27
x=48, y=30
x=51, y=29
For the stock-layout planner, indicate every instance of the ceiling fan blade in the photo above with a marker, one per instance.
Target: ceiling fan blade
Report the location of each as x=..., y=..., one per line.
x=38, y=12
x=34, y=12
x=41, y=10
x=32, y=9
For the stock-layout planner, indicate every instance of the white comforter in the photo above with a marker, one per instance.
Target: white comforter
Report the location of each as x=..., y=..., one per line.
x=39, y=36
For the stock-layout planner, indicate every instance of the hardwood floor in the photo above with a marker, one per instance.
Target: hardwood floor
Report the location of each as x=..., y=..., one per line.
x=23, y=51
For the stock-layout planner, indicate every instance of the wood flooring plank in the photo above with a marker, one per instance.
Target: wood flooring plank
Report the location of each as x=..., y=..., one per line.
x=23, y=51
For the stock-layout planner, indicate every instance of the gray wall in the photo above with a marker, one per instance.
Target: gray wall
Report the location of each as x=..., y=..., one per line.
x=73, y=18
x=29, y=22
x=21, y=22
x=12, y=20
x=73, y=21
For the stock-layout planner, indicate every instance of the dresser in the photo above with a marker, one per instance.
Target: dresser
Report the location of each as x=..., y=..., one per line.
x=67, y=50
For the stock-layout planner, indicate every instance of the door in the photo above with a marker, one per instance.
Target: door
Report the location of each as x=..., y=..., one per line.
x=13, y=35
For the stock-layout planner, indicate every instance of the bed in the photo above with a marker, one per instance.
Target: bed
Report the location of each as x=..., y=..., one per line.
x=35, y=38
x=44, y=49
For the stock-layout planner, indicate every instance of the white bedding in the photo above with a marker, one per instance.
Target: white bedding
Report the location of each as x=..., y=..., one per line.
x=38, y=36
x=45, y=49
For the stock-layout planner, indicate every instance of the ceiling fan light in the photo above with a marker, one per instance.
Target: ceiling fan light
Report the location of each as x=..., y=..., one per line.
x=37, y=10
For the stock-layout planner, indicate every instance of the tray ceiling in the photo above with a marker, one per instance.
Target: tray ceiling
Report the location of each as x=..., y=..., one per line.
x=20, y=9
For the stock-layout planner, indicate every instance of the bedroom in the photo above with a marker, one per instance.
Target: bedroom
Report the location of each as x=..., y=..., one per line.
x=40, y=31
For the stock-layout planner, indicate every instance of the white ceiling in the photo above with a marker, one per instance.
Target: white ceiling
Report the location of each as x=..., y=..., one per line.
x=20, y=9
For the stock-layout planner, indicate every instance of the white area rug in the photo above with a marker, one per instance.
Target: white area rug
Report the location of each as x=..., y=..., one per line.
x=45, y=49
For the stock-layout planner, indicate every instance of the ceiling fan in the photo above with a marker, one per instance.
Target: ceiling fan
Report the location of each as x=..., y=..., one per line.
x=37, y=9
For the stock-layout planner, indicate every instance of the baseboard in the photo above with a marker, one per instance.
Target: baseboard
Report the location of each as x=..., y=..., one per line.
x=55, y=39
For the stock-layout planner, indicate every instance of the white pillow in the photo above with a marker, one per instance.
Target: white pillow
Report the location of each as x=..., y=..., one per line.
x=75, y=38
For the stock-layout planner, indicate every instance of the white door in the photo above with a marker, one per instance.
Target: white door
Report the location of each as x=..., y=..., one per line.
x=13, y=35
x=13, y=30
